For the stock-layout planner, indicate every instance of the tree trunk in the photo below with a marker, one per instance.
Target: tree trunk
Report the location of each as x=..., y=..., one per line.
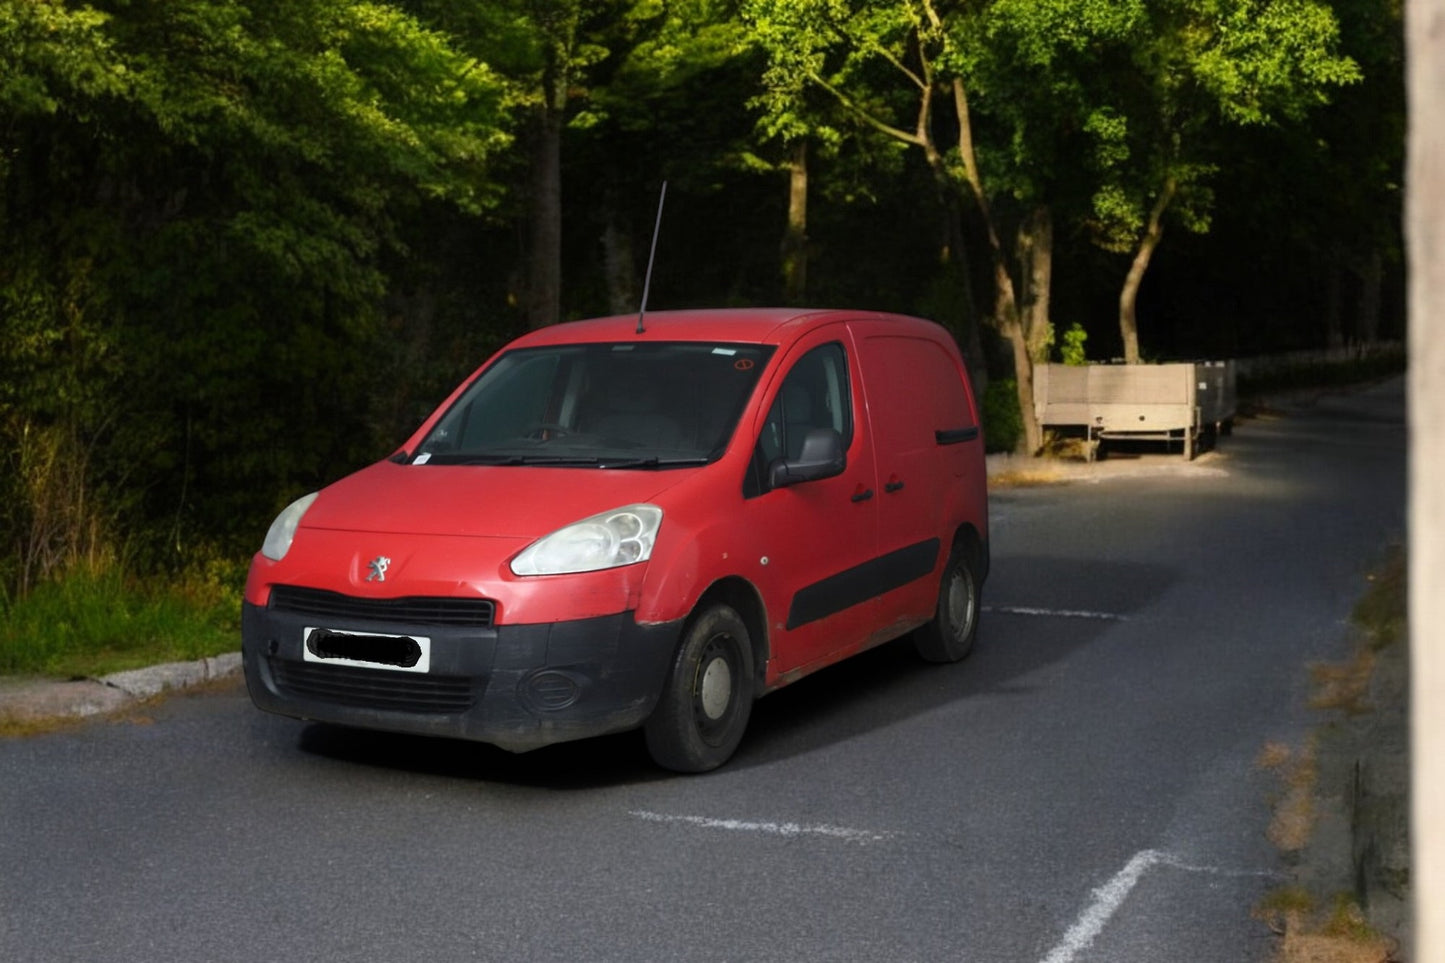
x=956, y=306
x=1334, y=302
x=1006, y=317
x=967, y=317
x=544, y=261
x=795, y=239
x=1367, y=313
x=1036, y=269
x=1129, y=295
x=618, y=264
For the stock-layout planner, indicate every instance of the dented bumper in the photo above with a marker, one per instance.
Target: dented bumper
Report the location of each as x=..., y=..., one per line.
x=519, y=687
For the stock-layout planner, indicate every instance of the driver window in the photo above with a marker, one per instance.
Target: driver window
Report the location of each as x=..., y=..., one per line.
x=813, y=395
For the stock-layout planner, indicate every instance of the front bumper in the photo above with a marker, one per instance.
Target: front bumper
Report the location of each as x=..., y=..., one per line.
x=519, y=687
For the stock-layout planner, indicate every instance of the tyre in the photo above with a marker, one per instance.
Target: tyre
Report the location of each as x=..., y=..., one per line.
x=705, y=705
x=950, y=636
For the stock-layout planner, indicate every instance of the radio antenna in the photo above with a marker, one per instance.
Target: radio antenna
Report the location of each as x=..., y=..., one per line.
x=647, y=279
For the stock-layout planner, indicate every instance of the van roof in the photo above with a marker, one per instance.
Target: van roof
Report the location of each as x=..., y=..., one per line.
x=737, y=325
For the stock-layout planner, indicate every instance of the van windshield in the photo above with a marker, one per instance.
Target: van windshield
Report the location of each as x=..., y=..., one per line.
x=632, y=405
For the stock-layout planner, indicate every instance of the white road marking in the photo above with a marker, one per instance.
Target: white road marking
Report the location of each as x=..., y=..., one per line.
x=769, y=828
x=1109, y=897
x=1056, y=613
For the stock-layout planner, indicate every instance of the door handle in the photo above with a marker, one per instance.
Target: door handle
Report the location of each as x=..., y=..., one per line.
x=895, y=484
x=861, y=494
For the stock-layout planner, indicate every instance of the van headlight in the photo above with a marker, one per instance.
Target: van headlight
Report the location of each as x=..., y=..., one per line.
x=622, y=536
x=283, y=529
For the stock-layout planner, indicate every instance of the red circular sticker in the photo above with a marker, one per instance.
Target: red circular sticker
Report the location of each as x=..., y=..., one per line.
x=743, y=364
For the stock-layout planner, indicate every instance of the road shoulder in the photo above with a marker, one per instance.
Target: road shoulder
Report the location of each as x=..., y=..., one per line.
x=28, y=701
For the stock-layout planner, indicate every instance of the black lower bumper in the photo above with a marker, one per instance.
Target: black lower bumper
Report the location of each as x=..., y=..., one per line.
x=519, y=687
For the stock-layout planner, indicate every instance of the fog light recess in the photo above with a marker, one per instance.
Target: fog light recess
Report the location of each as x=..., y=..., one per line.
x=550, y=690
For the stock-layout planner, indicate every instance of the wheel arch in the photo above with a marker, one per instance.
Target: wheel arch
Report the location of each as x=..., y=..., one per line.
x=968, y=539
x=743, y=598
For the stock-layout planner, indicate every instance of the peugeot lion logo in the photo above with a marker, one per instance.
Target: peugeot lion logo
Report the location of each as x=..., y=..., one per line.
x=378, y=568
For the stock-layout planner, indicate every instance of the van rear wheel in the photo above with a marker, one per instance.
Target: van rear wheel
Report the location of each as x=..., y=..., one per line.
x=951, y=634
x=705, y=705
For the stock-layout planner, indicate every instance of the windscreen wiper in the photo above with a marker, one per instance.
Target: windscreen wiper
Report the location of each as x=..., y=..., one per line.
x=655, y=462
x=513, y=459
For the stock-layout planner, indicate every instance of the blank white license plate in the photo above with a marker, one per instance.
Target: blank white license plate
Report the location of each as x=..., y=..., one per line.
x=367, y=650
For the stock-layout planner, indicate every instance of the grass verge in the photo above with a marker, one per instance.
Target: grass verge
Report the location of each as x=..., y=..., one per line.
x=1341, y=816
x=15, y=728
x=88, y=624
x=1024, y=478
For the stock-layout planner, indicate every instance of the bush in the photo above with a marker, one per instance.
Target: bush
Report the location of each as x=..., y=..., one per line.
x=91, y=623
x=1003, y=425
x=1072, y=350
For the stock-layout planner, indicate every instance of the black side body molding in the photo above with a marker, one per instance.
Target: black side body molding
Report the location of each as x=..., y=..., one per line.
x=863, y=582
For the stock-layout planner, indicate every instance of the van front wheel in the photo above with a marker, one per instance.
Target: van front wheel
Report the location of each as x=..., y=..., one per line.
x=705, y=706
x=950, y=636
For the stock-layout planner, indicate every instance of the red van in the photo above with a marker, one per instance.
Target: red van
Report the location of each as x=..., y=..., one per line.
x=624, y=523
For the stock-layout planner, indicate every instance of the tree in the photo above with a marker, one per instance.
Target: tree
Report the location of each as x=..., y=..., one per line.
x=887, y=65
x=910, y=69
x=1028, y=66
x=198, y=198
x=53, y=60
x=1176, y=75
x=665, y=107
x=552, y=53
x=1135, y=90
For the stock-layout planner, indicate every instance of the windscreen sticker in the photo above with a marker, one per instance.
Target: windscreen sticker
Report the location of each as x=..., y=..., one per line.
x=422, y=459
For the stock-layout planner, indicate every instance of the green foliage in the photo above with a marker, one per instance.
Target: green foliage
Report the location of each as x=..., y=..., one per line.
x=1072, y=350
x=53, y=54
x=1267, y=58
x=1383, y=610
x=88, y=624
x=1035, y=71
x=244, y=246
x=833, y=65
x=201, y=203
x=1173, y=76
x=1003, y=427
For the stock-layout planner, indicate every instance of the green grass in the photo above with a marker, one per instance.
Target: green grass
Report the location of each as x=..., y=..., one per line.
x=90, y=624
x=1383, y=610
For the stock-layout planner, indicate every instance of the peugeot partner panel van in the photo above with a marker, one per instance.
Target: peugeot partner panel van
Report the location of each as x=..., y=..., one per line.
x=617, y=524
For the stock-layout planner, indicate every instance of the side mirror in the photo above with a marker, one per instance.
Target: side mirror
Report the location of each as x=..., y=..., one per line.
x=822, y=457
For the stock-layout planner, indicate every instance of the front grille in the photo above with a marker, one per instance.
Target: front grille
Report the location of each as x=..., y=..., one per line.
x=373, y=688
x=418, y=610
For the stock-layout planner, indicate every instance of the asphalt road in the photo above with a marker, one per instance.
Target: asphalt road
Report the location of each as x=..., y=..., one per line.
x=1083, y=788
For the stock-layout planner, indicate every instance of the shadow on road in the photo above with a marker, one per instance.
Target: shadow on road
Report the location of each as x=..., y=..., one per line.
x=891, y=684
x=876, y=689
x=588, y=764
